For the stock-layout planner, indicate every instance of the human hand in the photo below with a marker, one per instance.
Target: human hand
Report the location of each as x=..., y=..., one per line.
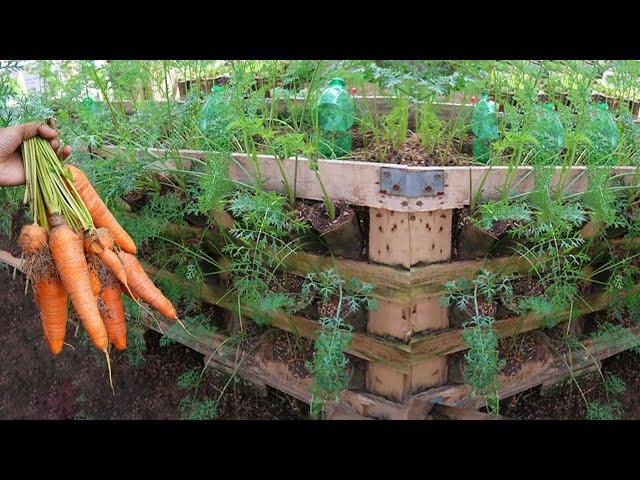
x=11, y=167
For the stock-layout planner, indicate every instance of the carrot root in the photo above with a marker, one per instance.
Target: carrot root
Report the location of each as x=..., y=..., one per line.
x=100, y=214
x=141, y=285
x=69, y=259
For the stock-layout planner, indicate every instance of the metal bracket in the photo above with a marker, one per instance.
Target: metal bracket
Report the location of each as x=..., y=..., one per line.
x=398, y=181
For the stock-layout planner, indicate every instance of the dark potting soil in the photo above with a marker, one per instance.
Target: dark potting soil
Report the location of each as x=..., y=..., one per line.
x=469, y=241
x=520, y=350
x=566, y=403
x=292, y=351
x=411, y=152
x=75, y=385
x=316, y=214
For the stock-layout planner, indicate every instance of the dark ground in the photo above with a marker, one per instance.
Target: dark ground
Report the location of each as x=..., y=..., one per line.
x=75, y=385
x=566, y=403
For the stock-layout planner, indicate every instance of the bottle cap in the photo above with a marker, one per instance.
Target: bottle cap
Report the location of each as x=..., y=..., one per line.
x=216, y=88
x=603, y=106
x=548, y=106
x=336, y=81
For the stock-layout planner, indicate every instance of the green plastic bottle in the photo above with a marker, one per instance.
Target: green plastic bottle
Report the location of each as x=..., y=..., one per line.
x=484, y=125
x=89, y=105
x=215, y=115
x=336, y=114
x=602, y=131
x=548, y=130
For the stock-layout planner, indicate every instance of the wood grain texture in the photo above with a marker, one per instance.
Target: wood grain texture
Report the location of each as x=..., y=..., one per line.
x=357, y=183
x=362, y=345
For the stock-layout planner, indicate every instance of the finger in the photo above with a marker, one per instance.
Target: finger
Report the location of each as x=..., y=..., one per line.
x=55, y=144
x=28, y=130
x=47, y=132
x=66, y=151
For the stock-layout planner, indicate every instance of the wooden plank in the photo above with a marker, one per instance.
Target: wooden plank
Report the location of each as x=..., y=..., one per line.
x=364, y=346
x=391, y=318
x=553, y=369
x=234, y=360
x=430, y=236
x=388, y=382
x=356, y=183
x=407, y=239
x=491, y=182
x=450, y=341
x=7, y=258
x=428, y=314
x=389, y=237
x=375, y=406
x=379, y=105
x=455, y=413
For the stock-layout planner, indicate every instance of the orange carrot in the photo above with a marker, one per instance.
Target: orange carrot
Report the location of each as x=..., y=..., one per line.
x=93, y=276
x=141, y=284
x=68, y=256
x=131, y=294
x=51, y=298
x=100, y=214
x=32, y=239
x=50, y=295
x=112, y=311
x=100, y=243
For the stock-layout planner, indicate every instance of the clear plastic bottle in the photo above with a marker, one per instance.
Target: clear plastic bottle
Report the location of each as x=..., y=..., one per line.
x=484, y=125
x=214, y=116
x=336, y=115
x=602, y=131
x=548, y=130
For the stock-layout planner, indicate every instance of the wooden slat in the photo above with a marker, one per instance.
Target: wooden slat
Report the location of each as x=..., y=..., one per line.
x=456, y=413
x=357, y=183
x=492, y=181
x=234, y=360
x=405, y=239
x=450, y=341
x=553, y=369
x=430, y=236
x=395, y=356
x=389, y=234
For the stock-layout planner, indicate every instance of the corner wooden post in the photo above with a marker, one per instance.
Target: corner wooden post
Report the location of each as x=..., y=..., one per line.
x=404, y=240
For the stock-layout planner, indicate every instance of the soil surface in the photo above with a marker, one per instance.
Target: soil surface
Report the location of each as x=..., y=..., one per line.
x=566, y=402
x=75, y=384
x=411, y=151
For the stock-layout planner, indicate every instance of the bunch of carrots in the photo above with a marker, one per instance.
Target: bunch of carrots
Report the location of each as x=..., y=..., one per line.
x=76, y=250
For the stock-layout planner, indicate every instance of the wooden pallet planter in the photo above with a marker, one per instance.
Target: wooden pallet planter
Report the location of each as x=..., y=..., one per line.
x=448, y=401
x=408, y=338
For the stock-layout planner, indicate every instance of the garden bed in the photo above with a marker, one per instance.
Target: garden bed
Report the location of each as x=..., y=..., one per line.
x=411, y=247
